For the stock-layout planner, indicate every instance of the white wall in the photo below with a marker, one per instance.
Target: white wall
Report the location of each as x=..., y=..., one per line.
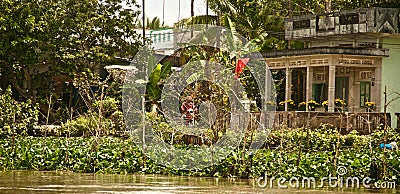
x=391, y=76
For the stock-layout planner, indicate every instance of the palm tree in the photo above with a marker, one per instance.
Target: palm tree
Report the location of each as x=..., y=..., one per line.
x=193, y=20
x=154, y=24
x=192, y=8
x=191, y=14
x=254, y=23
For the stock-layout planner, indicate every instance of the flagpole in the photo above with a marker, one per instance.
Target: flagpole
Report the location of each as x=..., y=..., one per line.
x=143, y=25
x=143, y=98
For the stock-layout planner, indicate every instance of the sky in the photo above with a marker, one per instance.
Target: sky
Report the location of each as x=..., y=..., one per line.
x=172, y=14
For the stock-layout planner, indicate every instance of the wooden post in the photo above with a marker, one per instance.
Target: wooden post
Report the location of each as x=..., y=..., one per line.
x=335, y=160
x=290, y=15
x=143, y=25
x=384, y=132
x=192, y=15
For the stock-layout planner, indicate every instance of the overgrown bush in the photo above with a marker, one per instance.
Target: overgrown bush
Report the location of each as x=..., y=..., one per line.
x=109, y=106
x=17, y=117
x=81, y=126
x=112, y=112
x=90, y=124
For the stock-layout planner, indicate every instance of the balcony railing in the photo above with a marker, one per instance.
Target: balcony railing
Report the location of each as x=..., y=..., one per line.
x=364, y=123
x=363, y=20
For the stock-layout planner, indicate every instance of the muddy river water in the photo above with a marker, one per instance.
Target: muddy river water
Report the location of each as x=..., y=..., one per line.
x=67, y=182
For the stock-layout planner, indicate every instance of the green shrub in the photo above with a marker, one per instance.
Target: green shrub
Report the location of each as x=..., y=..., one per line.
x=112, y=114
x=80, y=126
x=110, y=106
x=86, y=125
x=89, y=124
x=17, y=117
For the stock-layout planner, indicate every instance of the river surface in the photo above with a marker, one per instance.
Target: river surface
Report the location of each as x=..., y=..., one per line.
x=67, y=182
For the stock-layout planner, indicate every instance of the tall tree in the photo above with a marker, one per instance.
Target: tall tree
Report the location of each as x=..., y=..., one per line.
x=254, y=19
x=42, y=39
x=191, y=8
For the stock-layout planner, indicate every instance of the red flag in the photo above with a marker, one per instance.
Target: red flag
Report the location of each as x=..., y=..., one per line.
x=240, y=66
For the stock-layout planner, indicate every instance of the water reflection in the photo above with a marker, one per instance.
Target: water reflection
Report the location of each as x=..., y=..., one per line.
x=66, y=182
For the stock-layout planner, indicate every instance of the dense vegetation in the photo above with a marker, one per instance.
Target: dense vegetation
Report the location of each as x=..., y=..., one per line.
x=78, y=147
x=65, y=43
x=303, y=153
x=53, y=53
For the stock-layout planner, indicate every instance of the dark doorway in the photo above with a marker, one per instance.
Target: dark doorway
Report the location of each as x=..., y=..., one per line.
x=342, y=88
x=365, y=93
x=320, y=92
x=298, y=86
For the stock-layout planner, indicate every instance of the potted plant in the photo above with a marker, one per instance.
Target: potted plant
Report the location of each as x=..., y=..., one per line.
x=339, y=104
x=312, y=104
x=325, y=105
x=302, y=106
x=290, y=104
x=370, y=106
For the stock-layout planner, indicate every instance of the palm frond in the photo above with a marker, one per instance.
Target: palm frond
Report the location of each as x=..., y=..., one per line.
x=195, y=20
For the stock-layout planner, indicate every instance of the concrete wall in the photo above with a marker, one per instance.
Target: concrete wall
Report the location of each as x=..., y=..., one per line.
x=391, y=75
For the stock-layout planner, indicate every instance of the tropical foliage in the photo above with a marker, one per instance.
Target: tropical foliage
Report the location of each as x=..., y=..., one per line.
x=154, y=24
x=41, y=41
x=255, y=18
x=17, y=117
x=46, y=44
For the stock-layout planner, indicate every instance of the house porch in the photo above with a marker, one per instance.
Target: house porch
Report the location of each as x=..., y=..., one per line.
x=356, y=79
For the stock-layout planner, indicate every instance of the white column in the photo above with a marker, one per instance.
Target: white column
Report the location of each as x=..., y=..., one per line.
x=265, y=122
x=269, y=92
x=309, y=85
x=288, y=88
x=376, y=90
x=331, y=88
x=352, y=92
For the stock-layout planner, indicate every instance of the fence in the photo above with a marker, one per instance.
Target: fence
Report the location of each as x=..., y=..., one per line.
x=364, y=123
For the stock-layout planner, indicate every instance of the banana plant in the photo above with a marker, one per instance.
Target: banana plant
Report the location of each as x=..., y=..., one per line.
x=156, y=80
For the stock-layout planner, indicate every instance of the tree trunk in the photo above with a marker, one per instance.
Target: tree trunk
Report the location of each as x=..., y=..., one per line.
x=191, y=15
x=192, y=8
x=328, y=6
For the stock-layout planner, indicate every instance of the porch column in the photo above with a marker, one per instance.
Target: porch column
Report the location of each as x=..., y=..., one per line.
x=352, y=92
x=309, y=85
x=266, y=122
x=331, y=88
x=267, y=82
x=288, y=90
x=376, y=90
